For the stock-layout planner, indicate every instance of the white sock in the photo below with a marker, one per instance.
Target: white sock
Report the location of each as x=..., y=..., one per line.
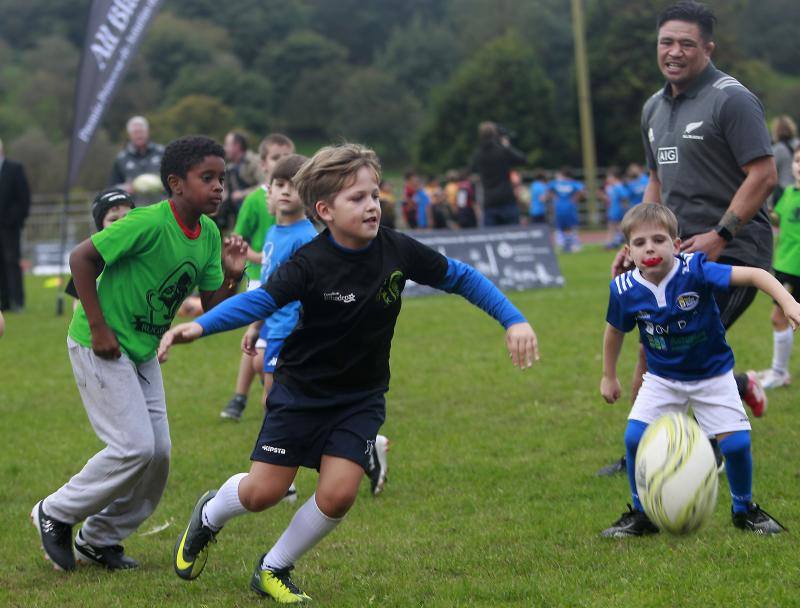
x=308, y=526
x=782, y=350
x=225, y=505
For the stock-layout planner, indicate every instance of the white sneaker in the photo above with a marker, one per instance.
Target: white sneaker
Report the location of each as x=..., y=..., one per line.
x=772, y=379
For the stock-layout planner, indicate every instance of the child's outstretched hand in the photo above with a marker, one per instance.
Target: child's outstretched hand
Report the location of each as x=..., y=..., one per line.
x=234, y=255
x=610, y=389
x=522, y=346
x=180, y=334
x=792, y=314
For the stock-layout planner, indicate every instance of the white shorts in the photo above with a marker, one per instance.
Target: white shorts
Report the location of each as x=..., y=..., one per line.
x=253, y=284
x=715, y=402
x=261, y=343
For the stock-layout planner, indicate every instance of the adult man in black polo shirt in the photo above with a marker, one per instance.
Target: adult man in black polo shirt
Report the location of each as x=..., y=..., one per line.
x=140, y=156
x=710, y=160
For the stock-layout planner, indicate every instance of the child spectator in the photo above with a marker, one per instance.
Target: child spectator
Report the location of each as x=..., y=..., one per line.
x=153, y=258
x=636, y=183
x=670, y=296
x=466, y=204
x=327, y=402
x=615, y=193
x=786, y=268
x=252, y=223
x=565, y=193
x=410, y=187
x=537, y=212
x=388, y=204
x=439, y=211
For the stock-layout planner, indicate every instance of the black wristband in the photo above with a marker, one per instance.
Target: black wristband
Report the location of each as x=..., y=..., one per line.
x=726, y=234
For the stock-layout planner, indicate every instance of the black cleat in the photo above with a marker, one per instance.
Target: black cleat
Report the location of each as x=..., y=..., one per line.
x=233, y=411
x=112, y=557
x=378, y=465
x=756, y=520
x=615, y=468
x=191, y=550
x=56, y=537
x=632, y=523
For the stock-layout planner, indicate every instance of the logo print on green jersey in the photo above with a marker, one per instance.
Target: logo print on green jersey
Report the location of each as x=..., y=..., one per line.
x=391, y=288
x=164, y=302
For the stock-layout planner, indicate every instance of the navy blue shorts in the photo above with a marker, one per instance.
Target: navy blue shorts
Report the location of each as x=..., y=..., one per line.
x=298, y=430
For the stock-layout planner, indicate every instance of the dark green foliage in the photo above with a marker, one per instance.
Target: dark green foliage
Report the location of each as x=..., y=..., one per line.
x=504, y=83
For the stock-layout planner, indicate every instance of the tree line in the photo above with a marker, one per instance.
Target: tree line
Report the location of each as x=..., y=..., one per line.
x=413, y=78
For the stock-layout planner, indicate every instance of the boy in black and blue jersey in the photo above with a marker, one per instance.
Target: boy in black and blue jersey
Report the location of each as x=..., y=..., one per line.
x=670, y=297
x=327, y=402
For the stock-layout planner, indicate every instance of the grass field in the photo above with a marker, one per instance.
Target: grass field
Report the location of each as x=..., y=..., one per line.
x=492, y=498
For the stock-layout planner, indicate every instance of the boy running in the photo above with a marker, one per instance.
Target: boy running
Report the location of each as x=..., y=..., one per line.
x=327, y=402
x=252, y=223
x=153, y=258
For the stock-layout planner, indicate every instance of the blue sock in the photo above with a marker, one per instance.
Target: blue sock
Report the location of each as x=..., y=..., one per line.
x=739, y=468
x=633, y=434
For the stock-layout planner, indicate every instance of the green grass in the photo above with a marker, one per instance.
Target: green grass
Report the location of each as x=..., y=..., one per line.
x=492, y=499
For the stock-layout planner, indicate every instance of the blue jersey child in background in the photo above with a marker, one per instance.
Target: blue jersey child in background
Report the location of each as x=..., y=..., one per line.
x=616, y=197
x=636, y=181
x=670, y=298
x=565, y=193
x=538, y=209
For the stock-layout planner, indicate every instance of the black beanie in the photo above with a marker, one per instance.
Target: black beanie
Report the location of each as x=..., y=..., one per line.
x=106, y=199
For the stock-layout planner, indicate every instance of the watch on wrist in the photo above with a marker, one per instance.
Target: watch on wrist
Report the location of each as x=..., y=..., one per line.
x=726, y=234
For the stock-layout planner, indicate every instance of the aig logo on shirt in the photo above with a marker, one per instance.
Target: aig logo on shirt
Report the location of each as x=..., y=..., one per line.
x=668, y=156
x=688, y=301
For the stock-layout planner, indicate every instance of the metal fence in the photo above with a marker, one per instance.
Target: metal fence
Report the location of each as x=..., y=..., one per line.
x=41, y=238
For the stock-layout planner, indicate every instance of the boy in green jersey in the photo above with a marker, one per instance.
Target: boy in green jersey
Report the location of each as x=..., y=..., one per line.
x=152, y=259
x=254, y=220
x=786, y=268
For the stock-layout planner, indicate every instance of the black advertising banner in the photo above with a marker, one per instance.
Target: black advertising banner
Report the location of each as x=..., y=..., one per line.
x=511, y=257
x=115, y=29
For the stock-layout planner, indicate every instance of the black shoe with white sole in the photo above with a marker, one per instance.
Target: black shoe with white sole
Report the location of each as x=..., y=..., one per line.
x=56, y=537
x=112, y=557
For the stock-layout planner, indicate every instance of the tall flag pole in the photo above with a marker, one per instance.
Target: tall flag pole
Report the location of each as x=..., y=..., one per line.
x=585, y=110
x=113, y=33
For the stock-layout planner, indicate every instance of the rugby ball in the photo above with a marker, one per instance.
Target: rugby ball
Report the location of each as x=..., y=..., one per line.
x=147, y=183
x=676, y=474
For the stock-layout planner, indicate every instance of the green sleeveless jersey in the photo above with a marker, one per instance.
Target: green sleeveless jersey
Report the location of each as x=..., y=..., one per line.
x=151, y=266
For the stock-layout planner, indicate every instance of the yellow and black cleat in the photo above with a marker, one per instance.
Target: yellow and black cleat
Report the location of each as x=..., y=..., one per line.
x=276, y=584
x=191, y=549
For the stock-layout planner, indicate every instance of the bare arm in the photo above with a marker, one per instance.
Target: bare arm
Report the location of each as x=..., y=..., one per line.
x=85, y=262
x=612, y=346
x=760, y=180
x=652, y=194
x=760, y=278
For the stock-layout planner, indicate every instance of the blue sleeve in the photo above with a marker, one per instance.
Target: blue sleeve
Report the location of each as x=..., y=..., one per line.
x=616, y=312
x=467, y=282
x=237, y=311
x=718, y=276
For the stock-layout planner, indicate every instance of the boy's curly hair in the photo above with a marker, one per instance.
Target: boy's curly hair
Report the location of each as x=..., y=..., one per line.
x=183, y=153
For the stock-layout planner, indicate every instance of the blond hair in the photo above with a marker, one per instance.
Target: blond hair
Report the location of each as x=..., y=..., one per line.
x=649, y=213
x=329, y=172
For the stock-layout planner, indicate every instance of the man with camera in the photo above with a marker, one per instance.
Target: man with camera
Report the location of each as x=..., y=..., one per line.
x=493, y=161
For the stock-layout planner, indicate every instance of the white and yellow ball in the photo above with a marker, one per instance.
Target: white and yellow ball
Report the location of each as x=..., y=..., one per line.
x=676, y=474
x=147, y=183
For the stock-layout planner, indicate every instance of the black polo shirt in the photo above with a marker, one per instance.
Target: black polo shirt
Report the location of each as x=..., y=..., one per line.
x=697, y=143
x=350, y=302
